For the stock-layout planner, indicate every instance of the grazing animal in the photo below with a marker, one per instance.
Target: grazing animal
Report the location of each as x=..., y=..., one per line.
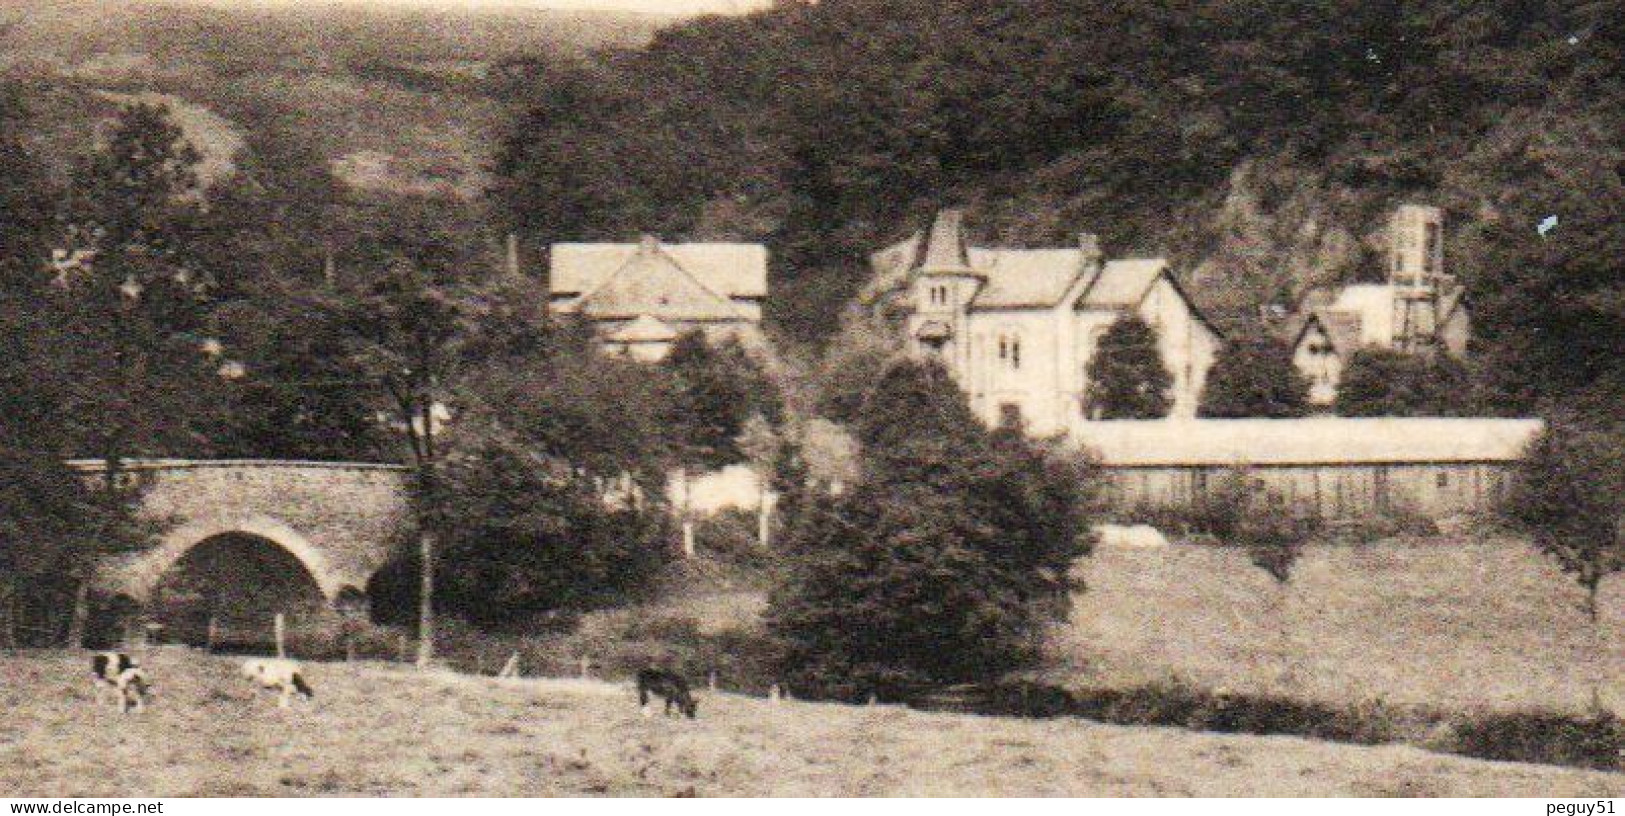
x=668, y=685
x=116, y=672
x=286, y=676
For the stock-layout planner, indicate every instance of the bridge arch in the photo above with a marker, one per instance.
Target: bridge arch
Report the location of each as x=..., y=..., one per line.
x=174, y=545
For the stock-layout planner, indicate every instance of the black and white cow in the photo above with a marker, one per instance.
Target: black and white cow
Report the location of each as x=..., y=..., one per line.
x=286, y=676
x=115, y=672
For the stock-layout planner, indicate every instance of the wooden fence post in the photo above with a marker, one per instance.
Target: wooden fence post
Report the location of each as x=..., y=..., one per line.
x=214, y=632
x=281, y=625
x=510, y=668
x=586, y=667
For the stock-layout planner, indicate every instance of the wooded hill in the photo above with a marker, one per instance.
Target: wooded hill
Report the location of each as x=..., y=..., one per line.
x=1259, y=144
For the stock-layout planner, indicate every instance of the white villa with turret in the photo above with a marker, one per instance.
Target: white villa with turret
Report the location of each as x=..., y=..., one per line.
x=1017, y=327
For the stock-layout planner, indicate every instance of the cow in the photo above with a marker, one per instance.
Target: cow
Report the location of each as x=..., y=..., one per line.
x=668, y=685
x=116, y=672
x=286, y=676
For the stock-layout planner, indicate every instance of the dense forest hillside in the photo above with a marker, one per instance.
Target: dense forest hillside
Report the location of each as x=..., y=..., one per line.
x=1259, y=144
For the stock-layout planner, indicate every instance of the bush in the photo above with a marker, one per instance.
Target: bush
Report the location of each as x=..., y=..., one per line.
x=1554, y=739
x=1384, y=382
x=1254, y=376
x=731, y=538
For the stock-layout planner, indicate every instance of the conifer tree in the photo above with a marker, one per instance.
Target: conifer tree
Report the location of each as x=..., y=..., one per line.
x=1254, y=377
x=1127, y=378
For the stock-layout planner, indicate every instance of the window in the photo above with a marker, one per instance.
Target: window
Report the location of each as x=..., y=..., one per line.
x=1010, y=350
x=1443, y=479
x=1432, y=250
x=1010, y=416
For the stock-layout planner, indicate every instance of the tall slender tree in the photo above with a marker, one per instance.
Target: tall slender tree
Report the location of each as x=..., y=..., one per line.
x=1127, y=378
x=128, y=324
x=406, y=323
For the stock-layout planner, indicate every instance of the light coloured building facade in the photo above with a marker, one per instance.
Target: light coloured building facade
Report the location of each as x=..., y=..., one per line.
x=1018, y=327
x=641, y=297
x=1420, y=308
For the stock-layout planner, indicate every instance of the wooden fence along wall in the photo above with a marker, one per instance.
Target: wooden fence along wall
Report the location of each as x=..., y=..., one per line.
x=1437, y=490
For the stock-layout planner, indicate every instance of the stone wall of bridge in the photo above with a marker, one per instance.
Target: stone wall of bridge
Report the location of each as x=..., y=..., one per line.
x=341, y=520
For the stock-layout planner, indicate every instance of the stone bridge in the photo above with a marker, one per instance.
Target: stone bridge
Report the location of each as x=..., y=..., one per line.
x=340, y=521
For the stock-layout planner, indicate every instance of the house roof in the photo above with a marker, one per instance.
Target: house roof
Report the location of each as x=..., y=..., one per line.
x=1123, y=284
x=646, y=329
x=1311, y=441
x=1342, y=330
x=945, y=250
x=731, y=270
x=1024, y=277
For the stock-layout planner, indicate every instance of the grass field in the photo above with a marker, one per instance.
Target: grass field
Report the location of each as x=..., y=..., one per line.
x=368, y=733
x=1439, y=623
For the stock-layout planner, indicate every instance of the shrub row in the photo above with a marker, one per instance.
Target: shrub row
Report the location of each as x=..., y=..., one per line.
x=1543, y=737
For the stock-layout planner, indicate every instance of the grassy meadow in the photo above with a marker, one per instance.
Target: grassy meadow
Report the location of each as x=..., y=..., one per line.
x=1438, y=622
x=376, y=729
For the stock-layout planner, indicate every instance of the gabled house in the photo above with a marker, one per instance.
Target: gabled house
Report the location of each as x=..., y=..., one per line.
x=640, y=297
x=1018, y=327
x=1420, y=308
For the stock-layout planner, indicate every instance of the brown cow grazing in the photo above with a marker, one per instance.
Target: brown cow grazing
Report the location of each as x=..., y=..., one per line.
x=668, y=685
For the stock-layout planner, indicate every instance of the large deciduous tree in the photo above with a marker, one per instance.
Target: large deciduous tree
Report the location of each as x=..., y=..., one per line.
x=1568, y=496
x=129, y=329
x=941, y=565
x=1127, y=377
x=406, y=322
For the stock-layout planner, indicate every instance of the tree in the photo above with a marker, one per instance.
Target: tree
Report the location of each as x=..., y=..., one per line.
x=46, y=510
x=717, y=388
x=941, y=564
x=405, y=326
x=1384, y=382
x=1127, y=378
x=1567, y=496
x=127, y=327
x=1254, y=377
x=1274, y=534
x=538, y=538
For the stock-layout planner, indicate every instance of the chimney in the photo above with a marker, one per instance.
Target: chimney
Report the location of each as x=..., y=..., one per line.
x=1089, y=245
x=945, y=250
x=513, y=255
x=648, y=244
